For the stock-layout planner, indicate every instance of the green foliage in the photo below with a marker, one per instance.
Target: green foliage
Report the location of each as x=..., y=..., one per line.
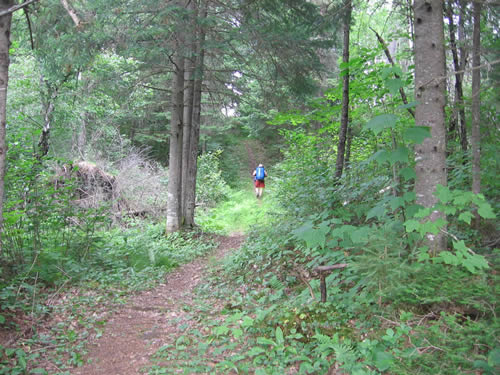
x=210, y=186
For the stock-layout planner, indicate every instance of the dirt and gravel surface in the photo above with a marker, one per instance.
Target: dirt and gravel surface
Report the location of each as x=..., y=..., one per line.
x=149, y=320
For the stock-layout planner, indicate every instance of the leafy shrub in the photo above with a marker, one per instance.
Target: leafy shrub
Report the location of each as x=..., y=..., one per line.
x=210, y=186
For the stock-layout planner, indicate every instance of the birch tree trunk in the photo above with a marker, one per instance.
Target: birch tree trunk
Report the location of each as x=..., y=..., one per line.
x=430, y=86
x=5, y=23
x=344, y=121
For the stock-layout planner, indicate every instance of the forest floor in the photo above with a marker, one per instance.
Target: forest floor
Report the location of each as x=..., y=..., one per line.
x=152, y=319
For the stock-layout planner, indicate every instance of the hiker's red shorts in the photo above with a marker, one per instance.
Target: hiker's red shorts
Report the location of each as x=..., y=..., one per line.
x=259, y=184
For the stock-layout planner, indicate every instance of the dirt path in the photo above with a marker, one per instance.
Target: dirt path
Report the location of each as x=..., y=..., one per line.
x=149, y=320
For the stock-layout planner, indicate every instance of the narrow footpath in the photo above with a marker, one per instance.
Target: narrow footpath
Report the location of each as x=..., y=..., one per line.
x=150, y=320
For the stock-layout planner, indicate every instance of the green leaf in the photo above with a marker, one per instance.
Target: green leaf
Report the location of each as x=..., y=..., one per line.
x=412, y=225
x=416, y=134
x=443, y=194
x=279, y=336
x=407, y=173
x=237, y=333
x=486, y=211
x=394, y=84
x=383, y=360
x=381, y=156
x=377, y=211
x=312, y=236
x=265, y=341
x=466, y=217
x=409, y=105
x=399, y=155
x=39, y=371
x=360, y=235
x=256, y=350
x=2, y=319
x=396, y=202
x=379, y=123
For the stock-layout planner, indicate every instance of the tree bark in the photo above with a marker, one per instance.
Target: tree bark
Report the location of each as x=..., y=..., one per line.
x=344, y=121
x=462, y=63
x=189, y=66
x=196, y=122
x=174, y=200
x=430, y=79
x=5, y=24
x=457, y=120
x=476, y=104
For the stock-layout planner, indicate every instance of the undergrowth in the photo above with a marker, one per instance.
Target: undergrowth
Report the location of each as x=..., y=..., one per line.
x=50, y=324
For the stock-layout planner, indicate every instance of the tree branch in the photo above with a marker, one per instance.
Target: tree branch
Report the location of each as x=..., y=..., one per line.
x=17, y=7
x=389, y=57
x=71, y=12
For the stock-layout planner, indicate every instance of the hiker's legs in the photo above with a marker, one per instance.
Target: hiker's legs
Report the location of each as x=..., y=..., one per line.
x=259, y=192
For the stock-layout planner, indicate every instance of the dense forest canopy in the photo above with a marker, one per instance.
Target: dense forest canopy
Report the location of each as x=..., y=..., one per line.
x=126, y=126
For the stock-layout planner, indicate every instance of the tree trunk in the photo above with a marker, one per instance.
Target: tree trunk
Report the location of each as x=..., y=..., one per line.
x=462, y=63
x=196, y=122
x=5, y=23
x=189, y=65
x=476, y=104
x=430, y=79
x=174, y=213
x=344, y=121
x=458, y=105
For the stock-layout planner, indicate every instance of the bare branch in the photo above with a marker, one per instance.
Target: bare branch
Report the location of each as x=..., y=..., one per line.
x=17, y=7
x=71, y=12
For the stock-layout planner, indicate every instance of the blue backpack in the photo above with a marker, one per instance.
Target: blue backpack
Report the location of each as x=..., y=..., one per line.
x=260, y=173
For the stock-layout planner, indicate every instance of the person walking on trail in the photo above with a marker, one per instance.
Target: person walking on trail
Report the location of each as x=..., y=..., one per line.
x=259, y=175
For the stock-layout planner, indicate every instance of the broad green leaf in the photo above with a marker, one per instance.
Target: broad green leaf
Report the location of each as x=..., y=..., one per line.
x=412, y=225
x=394, y=84
x=416, y=134
x=2, y=319
x=443, y=193
x=409, y=196
x=381, y=156
x=460, y=245
x=379, y=123
x=466, y=217
x=399, y=155
x=396, y=202
x=475, y=262
x=313, y=237
x=383, y=360
x=407, y=173
x=377, y=211
x=486, y=211
x=39, y=371
x=247, y=322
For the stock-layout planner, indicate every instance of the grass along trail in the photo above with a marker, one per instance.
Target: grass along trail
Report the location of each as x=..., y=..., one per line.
x=151, y=320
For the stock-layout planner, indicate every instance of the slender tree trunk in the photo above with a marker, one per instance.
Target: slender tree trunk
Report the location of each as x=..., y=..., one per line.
x=174, y=214
x=430, y=79
x=5, y=23
x=196, y=122
x=457, y=119
x=462, y=63
x=347, y=160
x=476, y=104
x=344, y=121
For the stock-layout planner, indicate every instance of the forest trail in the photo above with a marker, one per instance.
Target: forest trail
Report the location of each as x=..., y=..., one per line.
x=151, y=319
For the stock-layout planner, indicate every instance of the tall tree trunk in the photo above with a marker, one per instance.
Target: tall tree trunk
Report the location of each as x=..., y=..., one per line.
x=196, y=122
x=476, y=104
x=462, y=63
x=174, y=214
x=430, y=89
x=189, y=66
x=344, y=121
x=5, y=23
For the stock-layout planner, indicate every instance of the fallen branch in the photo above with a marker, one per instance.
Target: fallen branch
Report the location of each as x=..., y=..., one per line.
x=17, y=7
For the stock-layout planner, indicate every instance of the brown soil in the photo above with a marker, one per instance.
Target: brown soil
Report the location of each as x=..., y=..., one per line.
x=149, y=320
